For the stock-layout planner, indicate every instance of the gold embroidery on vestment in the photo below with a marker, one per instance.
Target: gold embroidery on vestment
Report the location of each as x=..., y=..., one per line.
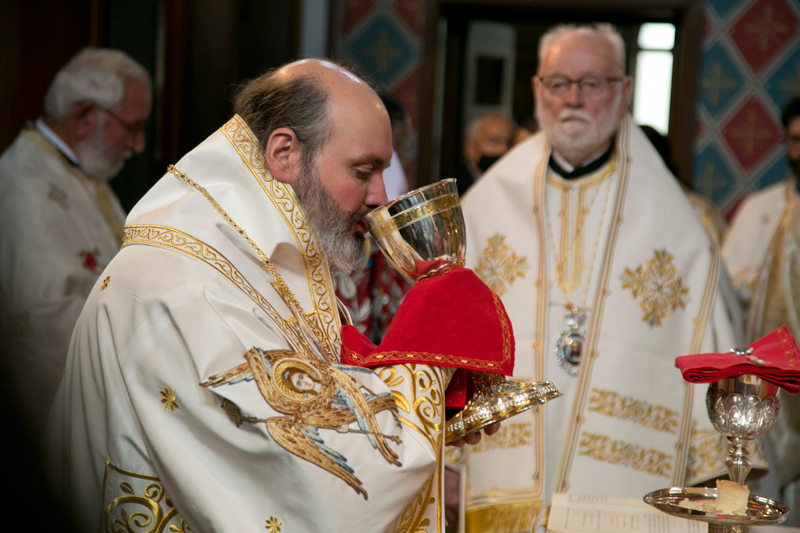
x=505, y=518
x=619, y=452
x=658, y=287
x=612, y=404
x=139, y=503
x=511, y=435
x=282, y=197
x=428, y=404
x=273, y=524
x=499, y=265
x=183, y=242
x=169, y=400
x=105, y=283
x=314, y=395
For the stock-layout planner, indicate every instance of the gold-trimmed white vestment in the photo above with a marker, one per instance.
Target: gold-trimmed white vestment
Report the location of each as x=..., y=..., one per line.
x=58, y=230
x=132, y=429
x=624, y=245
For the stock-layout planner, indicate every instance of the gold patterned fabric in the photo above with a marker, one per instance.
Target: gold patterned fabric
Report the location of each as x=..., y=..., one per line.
x=623, y=247
x=192, y=400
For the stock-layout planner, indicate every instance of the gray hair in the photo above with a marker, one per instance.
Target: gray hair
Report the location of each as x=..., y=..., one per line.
x=603, y=29
x=95, y=75
x=300, y=103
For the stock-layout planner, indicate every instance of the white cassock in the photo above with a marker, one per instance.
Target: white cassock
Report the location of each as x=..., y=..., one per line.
x=745, y=245
x=624, y=246
x=58, y=230
x=133, y=431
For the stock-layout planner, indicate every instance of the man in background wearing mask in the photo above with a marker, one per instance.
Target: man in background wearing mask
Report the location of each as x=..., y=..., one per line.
x=488, y=138
x=60, y=222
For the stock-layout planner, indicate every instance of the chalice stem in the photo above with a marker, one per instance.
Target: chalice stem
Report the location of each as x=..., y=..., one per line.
x=738, y=460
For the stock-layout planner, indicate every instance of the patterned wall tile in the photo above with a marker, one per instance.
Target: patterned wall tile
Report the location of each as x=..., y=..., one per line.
x=714, y=177
x=763, y=30
x=751, y=133
x=720, y=80
x=382, y=50
x=785, y=82
x=355, y=11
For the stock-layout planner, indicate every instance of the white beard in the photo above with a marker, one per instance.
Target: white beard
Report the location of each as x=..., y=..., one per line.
x=99, y=160
x=577, y=140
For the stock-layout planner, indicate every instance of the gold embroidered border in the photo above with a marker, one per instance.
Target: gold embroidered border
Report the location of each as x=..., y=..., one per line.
x=619, y=452
x=427, y=403
x=657, y=287
x=505, y=518
x=179, y=241
x=577, y=416
x=511, y=435
x=282, y=197
x=151, y=508
x=611, y=404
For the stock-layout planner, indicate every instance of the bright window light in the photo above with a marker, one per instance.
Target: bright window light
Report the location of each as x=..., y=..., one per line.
x=652, y=89
x=657, y=36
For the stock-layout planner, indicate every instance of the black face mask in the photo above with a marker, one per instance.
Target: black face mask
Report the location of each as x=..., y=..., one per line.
x=486, y=161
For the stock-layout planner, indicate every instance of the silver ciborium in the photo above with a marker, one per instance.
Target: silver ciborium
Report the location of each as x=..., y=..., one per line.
x=422, y=235
x=742, y=409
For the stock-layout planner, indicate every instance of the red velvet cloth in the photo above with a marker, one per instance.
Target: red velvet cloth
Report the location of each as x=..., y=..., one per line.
x=450, y=320
x=777, y=350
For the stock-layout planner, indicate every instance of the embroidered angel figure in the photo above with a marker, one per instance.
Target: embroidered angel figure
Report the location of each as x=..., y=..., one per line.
x=316, y=395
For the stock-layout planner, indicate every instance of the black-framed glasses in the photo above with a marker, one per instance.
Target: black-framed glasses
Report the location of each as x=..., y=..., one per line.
x=133, y=128
x=590, y=85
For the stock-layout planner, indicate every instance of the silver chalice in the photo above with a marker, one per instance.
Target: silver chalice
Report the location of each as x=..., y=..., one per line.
x=743, y=409
x=422, y=235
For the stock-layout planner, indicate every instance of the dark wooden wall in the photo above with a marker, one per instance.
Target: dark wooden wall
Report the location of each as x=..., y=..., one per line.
x=198, y=52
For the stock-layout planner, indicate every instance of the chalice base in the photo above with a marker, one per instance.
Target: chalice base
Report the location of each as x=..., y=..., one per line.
x=496, y=399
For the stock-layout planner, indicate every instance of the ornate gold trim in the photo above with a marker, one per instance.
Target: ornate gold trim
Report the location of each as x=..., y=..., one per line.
x=144, y=505
x=179, y=241
x=619, y=452
x=427, y=402
x=511, y=435
x=506, y=518
x=282, y=197
x=657, y=287
x=610, y=403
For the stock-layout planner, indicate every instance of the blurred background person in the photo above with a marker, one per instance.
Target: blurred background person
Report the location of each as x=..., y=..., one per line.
x=488, y=139
x=394, y=177
x=760, y=214
x=60, y=222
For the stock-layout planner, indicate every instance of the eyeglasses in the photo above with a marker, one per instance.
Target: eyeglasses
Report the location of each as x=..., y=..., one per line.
x=133, y=128
x=589, y=86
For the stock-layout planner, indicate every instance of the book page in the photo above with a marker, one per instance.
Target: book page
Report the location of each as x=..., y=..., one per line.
x=572, y=513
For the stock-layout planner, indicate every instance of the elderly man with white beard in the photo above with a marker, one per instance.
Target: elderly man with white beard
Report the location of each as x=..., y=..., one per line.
x=607, y=275
x=60, y=222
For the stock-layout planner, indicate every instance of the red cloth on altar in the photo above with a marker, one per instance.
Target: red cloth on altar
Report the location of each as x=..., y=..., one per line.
x=452, y=320
x=777, y=351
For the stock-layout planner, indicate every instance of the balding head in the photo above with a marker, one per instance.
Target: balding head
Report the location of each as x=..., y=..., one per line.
x=298, y=96
x=488, y=138
x=324, y=132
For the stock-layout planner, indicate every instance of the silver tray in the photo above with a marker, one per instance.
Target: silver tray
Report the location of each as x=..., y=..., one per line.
x=760, y=511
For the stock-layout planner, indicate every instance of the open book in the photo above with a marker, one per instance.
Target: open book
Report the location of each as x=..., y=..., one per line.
x=571, y=513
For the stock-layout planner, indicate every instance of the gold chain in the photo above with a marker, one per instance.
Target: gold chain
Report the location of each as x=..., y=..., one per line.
x=282, y=289
x=561, y=263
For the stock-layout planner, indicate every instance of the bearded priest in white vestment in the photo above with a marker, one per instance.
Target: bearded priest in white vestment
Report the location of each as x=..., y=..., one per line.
x=204, y=390
x=60, y=221
x=607, y=274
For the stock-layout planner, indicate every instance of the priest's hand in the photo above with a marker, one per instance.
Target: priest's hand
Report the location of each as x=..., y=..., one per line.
x=474, y=438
